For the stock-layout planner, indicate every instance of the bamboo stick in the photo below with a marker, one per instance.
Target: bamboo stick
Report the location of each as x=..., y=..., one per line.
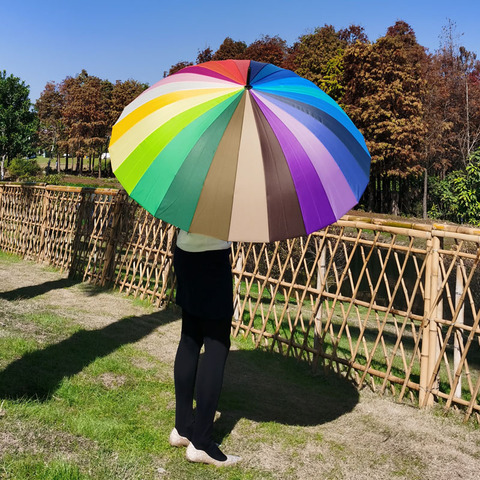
x=458, y=343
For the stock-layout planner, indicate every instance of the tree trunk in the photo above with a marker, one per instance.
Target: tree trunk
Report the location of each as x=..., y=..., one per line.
x=378, y=193
x=2, y=168
x=395, y=208
x=383, y=186
x=425, y=189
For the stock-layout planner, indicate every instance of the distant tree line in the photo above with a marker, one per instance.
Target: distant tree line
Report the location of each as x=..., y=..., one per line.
x=76, y=117
x=418, y=111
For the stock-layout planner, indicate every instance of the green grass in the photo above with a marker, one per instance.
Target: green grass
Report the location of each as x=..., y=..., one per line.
x=9, y=258
x=30, y=467
x=111, y=419
x=86, y=405
x=342, y=347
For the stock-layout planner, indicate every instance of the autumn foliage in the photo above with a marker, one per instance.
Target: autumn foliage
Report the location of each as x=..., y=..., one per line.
x=76, y=116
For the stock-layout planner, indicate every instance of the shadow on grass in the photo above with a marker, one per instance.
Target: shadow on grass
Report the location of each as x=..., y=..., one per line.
x=267, y=387
x=38, y=374
x=35, y=290
x=258, y=385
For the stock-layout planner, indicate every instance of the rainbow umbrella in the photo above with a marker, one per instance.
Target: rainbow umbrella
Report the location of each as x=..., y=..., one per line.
x=240, y=150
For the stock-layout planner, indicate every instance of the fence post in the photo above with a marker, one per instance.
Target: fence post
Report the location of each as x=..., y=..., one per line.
x=112, y=238
x=321, y=280
x=237, y=300
x=429, y=327
x=43, y=225
x=458, y=340
x=167, y=268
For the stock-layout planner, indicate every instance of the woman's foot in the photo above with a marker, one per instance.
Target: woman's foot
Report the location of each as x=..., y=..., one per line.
x=213, y=457
x=177, y=440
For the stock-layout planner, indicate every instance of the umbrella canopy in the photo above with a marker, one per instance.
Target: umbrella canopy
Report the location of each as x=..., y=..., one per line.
x=240, y=150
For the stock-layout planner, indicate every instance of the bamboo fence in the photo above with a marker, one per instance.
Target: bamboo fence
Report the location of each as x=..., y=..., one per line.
x=390, y=305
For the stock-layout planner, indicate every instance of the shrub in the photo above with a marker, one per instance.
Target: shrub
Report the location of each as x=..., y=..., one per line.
x=23, y=169
x=457, y=198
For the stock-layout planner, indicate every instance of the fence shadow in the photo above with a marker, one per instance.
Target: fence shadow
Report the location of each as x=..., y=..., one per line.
x=31, y=291
x=267, y=387
x=38, y=374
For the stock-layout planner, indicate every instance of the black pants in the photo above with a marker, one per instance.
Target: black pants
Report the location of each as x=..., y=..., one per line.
x=206, y=375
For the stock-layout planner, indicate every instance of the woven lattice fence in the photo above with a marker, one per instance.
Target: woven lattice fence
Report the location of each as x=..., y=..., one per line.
x=393, y=306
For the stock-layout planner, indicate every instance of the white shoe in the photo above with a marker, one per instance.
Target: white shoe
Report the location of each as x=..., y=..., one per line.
x=200, y=456
x=176, y=440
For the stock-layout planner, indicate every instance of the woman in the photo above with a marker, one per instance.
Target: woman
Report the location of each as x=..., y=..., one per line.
x=204, y=291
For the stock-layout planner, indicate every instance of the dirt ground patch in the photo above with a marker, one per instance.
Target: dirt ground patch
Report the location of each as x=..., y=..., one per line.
x=375, y=438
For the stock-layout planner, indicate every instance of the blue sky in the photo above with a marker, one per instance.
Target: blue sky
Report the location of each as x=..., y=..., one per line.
x=47, y=40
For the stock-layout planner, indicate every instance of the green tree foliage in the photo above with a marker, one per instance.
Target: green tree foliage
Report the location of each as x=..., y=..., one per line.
x=457, y=197
x=23, y=168
x=18, y=122
x=318, y=57
x=383, y=90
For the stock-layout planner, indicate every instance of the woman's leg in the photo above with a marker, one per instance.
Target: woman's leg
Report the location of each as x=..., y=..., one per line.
x=185, y=371
x=209, y=384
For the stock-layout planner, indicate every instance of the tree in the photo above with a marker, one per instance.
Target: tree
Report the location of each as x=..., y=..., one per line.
x=51, y=132
x=177, y=67
x=318, y=57
x=18, y=123
x=460, y=99
x=383, y=90
x=121, y=95
x=85, y=113
x=205, y=55
x=438, y=126
x=268, y=49
x=457, y=197
x=353, y=34
x=230, y=49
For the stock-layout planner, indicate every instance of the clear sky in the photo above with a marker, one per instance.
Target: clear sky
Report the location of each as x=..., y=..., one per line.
x=47, y=40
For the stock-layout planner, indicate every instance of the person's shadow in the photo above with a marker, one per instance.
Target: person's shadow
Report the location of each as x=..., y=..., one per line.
x=38, y=374
x=258, y=385
x=30, y=291
x=267, y=387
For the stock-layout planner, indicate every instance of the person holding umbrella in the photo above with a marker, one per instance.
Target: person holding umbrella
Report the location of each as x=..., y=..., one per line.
x=236, y=150
x=204, y=291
